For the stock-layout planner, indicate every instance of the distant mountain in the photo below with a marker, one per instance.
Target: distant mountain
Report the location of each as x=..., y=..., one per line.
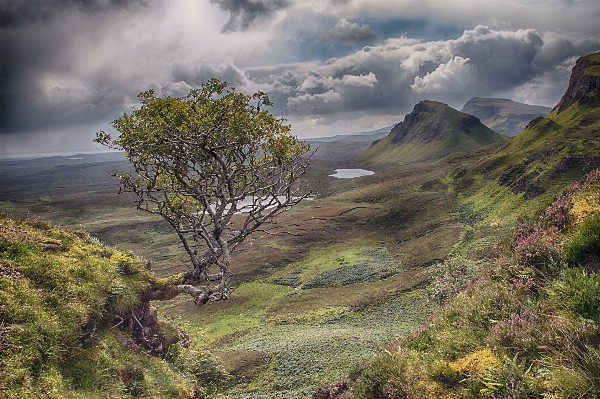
x=431, y=131
x=347, y=146
x=550, y=153
x=503, y=115
x=363, y=136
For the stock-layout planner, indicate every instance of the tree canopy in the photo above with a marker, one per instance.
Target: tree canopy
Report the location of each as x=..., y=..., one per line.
x=216, y=165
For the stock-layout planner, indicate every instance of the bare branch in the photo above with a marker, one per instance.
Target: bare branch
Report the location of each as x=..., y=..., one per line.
x=216, y=167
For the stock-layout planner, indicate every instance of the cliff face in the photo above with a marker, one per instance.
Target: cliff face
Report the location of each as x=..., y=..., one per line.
x=584, y=85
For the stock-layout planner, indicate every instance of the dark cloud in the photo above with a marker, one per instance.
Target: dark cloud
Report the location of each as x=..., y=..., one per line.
x=46, y=79
x=501, y=60
x=14, y=13
x=392, y=76
x=75, y=65
x=346, y=31
x=243, y=13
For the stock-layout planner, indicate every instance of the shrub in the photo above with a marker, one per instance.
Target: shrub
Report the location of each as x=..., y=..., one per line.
x=291, y=279
x=206, y=369
x=581, y=376
x=584, y=248
x=361, y=272
x=450, y=277
x=525, y=331
x=579, y=291
x=534, y=246
x=514, y=380
x=392, y=375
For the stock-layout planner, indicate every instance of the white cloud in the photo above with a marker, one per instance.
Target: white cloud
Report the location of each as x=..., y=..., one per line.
x=360, y=80
x=454, y=75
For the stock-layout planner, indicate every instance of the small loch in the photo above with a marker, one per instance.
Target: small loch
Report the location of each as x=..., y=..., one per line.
x=351, y=173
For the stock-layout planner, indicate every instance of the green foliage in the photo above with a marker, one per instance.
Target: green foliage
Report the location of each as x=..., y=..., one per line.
x=450, y=277
x=203, y=159
x=361, y=272
x=291, y=279
x=378, y=267
x=390, y=376
x=584, y=248
x=206, y=369
x=579, y=291
x=586, y=362
x=60, y=294
x=513, y=380
x=177, y=143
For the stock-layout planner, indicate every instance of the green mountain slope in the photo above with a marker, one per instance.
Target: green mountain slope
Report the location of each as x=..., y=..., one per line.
x=503, y=115
x=549, y=154
x=431, y=131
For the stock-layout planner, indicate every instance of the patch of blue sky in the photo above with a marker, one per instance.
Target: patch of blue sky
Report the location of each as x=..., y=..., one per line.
x=309, y=44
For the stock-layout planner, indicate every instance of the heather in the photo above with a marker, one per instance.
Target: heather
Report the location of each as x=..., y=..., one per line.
x=525, y=326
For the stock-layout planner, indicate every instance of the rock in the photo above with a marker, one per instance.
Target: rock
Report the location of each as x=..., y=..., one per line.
x=339, y=390
x=50, y=247
x=584, y=85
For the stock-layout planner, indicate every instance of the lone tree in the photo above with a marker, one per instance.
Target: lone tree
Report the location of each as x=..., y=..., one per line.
x=216, y=166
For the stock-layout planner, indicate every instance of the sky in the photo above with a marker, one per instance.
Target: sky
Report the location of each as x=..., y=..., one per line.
x=70, y=67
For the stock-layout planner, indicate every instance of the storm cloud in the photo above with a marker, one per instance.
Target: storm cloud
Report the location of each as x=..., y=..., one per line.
x=22, y=12
x=330, y=67
x=243, y=13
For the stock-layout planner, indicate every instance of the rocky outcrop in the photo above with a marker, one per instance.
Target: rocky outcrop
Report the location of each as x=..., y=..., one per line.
x=584, y=85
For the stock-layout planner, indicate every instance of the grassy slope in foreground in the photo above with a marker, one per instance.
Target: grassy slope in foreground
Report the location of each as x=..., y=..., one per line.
x=62, y=294
x=431, y=131
x=527, y=327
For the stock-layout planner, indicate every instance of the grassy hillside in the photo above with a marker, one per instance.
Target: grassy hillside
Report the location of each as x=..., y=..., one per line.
x=325, y=282
x=551, y=153
x=431, y=131
x=527, y=326
x=503, y=115
x=65, y=305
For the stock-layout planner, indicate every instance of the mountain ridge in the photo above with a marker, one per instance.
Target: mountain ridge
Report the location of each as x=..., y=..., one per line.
x=431, y=131
x=503, y=115
x=552, y=152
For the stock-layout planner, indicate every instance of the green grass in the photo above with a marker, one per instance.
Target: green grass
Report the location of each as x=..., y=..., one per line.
x=297, y=349
x=534, y=166
x=244, y=311
x=61, y=294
